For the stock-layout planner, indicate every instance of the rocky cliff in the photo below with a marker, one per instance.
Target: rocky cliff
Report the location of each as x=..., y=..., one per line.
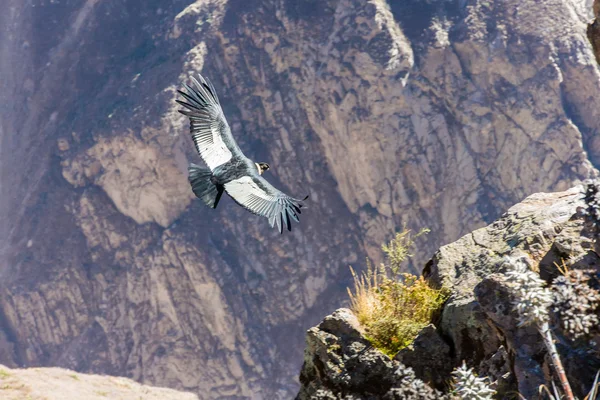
x=434, y=114
x=593, y=31
x=62, y=384
x=478, y=323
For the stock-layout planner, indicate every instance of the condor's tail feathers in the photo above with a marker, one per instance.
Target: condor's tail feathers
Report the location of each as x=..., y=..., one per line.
x=203, y=187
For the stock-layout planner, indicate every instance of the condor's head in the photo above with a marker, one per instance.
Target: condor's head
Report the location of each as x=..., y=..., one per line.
x=262, y=167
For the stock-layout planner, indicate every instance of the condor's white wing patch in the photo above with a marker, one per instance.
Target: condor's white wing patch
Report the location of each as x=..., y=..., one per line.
x=258, y=196
x=209, y=142
x=208, y=126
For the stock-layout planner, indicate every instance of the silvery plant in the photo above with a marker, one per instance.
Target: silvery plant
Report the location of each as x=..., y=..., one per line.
x=573, y=297
x=591, y=212
x=533, y=301
x=576, y=302
x=467, y=385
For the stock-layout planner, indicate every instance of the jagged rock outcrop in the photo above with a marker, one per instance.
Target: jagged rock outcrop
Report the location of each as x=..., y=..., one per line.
x=62, y=384
x=433, y=113
x=341, y=364
x=549, y=231
x=593, y=31
x=477, y=323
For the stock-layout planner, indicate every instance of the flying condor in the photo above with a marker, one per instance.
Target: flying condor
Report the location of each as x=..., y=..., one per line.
x=229, y=169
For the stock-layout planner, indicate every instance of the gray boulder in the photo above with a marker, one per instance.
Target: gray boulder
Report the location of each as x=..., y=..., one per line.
x=478, y=325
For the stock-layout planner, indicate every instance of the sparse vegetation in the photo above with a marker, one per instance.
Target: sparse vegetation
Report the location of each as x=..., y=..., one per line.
x=4, y=374
x=532, y=303
x=577, y=301
x=591, y=212
x=573, y=302
x=391, y=305
x=468, y=386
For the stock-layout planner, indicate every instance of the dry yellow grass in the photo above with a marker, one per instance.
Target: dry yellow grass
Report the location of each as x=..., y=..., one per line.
x=393, y=306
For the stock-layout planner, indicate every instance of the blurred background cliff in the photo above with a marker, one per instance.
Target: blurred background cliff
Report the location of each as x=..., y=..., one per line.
x=424, y=113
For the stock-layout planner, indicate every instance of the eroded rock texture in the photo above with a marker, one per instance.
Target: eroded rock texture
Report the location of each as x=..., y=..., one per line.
x=478, y=319
x=593, y=31
x=436, y=114
x=478, y=324
x=339, y=363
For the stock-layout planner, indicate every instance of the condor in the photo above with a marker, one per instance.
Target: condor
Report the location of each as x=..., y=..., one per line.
x=229, y=169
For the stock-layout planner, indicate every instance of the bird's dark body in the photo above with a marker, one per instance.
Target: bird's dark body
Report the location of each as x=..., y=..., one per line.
x=235, y=168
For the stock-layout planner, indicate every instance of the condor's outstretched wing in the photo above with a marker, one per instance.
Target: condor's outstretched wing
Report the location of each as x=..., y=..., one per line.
x=208, y=125
x=258, y=196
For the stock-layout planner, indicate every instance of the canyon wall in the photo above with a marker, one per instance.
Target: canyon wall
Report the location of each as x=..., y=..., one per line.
x=436, y=113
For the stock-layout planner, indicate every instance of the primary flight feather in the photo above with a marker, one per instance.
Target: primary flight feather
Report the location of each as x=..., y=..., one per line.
x=229, y=169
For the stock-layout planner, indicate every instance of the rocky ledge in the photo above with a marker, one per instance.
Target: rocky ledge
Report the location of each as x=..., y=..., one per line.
x=593, y=30
x=477, y=323
x=63, y=384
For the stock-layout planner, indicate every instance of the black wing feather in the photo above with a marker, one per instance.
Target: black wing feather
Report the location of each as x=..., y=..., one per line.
x=208, y=126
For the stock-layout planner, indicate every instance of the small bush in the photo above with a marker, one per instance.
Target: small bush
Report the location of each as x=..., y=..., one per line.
x=393, y=306
x=468, y=386
x=577, y=301
x=591, y=212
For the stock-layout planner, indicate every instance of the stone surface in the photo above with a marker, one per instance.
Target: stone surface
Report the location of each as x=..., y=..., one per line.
x=436, y=114
x=429, y=356
x=62, y=384
x=339, y=363
x=593, y=30
x=494, y=297
x=478, y=318
x=478, y=325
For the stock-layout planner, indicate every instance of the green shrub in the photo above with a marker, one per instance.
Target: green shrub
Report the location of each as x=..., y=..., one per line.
x=391, y=305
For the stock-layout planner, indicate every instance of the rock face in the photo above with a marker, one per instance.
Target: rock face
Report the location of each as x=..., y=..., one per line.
x=62, y=384
x=341, y=364
x=477, y=324
x=593, y=31
x=435, y=113
x=548, y=231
